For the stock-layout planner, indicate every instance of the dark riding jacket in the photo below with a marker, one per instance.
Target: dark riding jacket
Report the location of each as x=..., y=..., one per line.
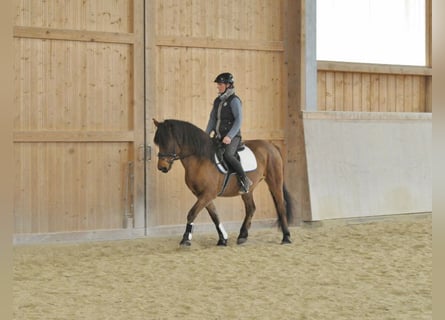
x=226, y=115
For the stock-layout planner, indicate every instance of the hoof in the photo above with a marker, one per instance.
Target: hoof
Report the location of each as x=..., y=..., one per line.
x=222, y=242
x=185, y=243
x=241, y=240
x=286, y=240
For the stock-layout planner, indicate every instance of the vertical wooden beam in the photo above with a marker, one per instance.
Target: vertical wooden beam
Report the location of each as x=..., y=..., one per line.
x=428, y=54
x=310, y=55
x=138, y=105
x=7, y=160
x=428, y=32
x=296, y=168
x=150, y=107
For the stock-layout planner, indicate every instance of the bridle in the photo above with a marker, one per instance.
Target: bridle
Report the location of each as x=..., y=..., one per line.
x=169, y=157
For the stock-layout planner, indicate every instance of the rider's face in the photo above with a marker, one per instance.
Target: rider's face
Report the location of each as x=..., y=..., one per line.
x=221, y=87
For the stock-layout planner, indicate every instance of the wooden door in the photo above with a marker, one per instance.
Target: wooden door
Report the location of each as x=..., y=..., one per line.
x=79, y=116
x=187, y=44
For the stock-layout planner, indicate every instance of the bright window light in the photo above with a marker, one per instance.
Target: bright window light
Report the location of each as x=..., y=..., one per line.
x=371, y=31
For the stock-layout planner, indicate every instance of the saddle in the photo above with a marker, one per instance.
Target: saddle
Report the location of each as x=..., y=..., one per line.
x=244, y=154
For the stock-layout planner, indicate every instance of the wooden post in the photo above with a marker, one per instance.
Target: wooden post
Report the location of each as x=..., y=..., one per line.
x=309, y=22
x=138, y=105
x=296, y=168
x=428, y=55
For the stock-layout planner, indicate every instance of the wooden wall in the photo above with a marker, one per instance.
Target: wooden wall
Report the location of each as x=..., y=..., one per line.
x=80, y=118
x=373, y=88
x=76, y=101
x=189, y=43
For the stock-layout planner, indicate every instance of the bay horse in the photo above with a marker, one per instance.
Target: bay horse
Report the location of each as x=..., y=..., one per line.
x=181, y=140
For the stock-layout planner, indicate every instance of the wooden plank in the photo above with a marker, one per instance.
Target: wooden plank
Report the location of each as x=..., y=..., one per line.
x=43, y=172
x=137, y=109
x=36, y=195
x=73, y=136
x=408, y=93
x=211, y=43
x=356, y=91
x=321, y=90
x=73, y=35
x=330, y=91
x=428, y=32
x=338, y=91
x=375, y=92
x=373, y=68
x=347, y=92
x=366, y=116
x=400, y=94
x=383, y=93
x=428, y=94
x=366, y=92
x=417, y=96
x=391, y=93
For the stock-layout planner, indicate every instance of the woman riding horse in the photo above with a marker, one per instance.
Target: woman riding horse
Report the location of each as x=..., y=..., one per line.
x=180, y=140
x=225, y=120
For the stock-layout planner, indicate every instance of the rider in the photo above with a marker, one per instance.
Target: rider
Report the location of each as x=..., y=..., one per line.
x=225, y=119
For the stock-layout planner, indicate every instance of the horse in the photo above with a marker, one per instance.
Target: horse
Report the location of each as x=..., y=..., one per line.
x=181, y=140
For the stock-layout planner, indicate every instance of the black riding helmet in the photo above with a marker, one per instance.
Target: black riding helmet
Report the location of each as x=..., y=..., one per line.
x=225, y=77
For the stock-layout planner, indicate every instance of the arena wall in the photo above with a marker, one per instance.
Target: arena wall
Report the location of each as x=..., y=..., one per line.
x=368, y=164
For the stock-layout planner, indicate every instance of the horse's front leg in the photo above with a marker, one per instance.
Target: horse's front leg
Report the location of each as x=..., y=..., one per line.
x=191, y=216
x=211, y=209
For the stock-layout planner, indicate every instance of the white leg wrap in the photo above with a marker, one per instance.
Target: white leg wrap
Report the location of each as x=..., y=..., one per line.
x=223, y=231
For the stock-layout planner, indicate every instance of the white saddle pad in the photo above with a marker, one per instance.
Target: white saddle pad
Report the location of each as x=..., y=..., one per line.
x=248, y=160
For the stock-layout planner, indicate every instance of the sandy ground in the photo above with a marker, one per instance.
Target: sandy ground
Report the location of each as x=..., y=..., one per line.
x=373, y=270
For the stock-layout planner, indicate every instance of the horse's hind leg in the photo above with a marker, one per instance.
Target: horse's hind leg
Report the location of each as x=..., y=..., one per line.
x=276, y=188
x=211, y=209
x=249, y=205
x=282, y=218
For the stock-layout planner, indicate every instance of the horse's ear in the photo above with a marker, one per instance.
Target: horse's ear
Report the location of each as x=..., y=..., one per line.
x=156, y=122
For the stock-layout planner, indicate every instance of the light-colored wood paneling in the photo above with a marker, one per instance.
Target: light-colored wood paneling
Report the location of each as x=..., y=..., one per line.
x=358, y=91
x=255, y=20
x=79, y=114
x=93, y=15
x=71, y=85
x=190, y=43
x=73, y=35
x=375, y=87
x=192, y=99
x=64, y=187
x=373, y=68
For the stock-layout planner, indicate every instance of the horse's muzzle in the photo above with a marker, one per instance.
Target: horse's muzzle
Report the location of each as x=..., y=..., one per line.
x=163, y=169
x=164, y=166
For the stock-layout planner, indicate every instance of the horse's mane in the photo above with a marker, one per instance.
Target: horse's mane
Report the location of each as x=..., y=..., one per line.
x=187, y=135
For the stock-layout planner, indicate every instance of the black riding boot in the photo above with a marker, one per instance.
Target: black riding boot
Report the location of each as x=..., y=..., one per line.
x=245, y=183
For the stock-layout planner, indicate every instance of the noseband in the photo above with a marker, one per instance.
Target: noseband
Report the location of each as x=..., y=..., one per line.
x=169, y=156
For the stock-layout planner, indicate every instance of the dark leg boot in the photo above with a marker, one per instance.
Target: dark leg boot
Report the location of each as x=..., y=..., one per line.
x=245, y=183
